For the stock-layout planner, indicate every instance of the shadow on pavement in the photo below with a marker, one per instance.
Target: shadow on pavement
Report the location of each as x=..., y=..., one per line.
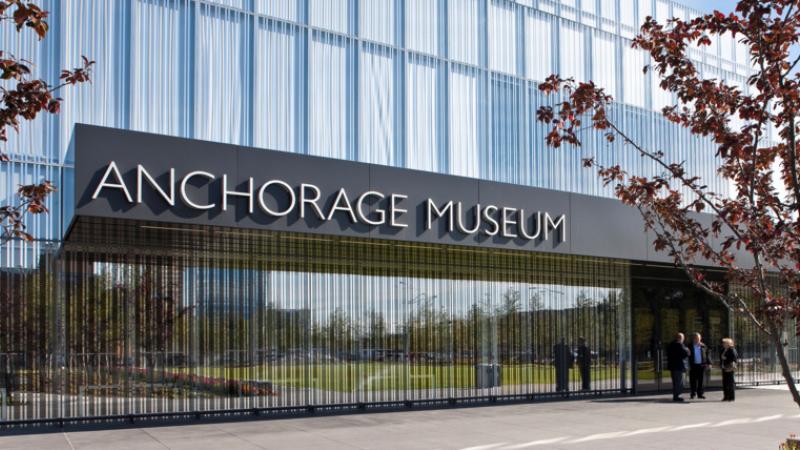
x=642, y=400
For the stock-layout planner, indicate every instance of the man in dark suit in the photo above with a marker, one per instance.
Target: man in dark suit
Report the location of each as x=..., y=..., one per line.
x=699, y=363
x=563, y=359
x=677, y=355
x=585, y=363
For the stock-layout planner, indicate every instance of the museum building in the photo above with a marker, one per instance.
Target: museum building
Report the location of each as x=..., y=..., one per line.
x=280, y=206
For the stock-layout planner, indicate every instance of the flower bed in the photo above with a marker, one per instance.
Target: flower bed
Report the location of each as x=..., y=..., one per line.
x=212, y=385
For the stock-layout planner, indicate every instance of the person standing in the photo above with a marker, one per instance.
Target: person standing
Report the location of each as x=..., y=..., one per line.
x=699, y=363
x=563, y=360
x=728, y=360
x=585, y=363
x=677, y=355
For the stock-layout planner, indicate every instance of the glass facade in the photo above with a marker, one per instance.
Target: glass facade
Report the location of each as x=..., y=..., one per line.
x=190, y=319
x=448, y=87
x=122, y=320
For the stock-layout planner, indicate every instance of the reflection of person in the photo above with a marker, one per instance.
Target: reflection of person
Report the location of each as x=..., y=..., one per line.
x=677, y=354
x=584, y=363
x=699, y=363
x=728, y=363
x=563, y=360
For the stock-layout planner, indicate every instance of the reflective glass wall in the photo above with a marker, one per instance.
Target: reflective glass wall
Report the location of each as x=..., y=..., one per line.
x=443, y=86
x=757, y=353
x=201, y=320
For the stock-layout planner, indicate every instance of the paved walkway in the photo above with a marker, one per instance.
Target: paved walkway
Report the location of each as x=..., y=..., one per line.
x=759, y=419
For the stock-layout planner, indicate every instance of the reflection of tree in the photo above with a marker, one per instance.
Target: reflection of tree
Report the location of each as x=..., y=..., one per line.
x=25, y=340
x=511, y=326
x=157, y=313
x=376, y=330
x=336, y=335
x=425, y=325
x=584, y=316
x=125, y=314
x=283, y=329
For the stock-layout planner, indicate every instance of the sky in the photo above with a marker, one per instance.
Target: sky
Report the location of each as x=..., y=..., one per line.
x=711, y=5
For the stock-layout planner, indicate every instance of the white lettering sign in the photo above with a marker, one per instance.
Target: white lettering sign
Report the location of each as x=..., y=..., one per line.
x=278, y=198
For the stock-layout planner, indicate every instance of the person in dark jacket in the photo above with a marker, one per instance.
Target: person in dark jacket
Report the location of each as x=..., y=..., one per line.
x=728, y=363
x=585, y=363
x=677, y=355
x=563, y=360
x=699, y=363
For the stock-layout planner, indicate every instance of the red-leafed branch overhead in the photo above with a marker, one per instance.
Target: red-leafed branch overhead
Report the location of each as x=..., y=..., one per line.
x=22, y=98
x=753, y=231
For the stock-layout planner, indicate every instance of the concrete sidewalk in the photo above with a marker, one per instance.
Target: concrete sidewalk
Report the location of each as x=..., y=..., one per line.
x=759, y=419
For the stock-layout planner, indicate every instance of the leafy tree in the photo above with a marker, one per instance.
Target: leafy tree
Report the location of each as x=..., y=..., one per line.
x=753, y=232
x=22, y=98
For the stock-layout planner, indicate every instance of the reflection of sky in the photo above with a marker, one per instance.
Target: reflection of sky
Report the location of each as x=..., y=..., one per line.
x=393, y=298
x=359, y=297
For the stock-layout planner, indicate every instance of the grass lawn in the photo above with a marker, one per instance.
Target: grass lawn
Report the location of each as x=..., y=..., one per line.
x=379, y=376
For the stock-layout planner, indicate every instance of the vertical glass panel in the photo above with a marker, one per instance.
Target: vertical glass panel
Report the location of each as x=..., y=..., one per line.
x=588, y=18
x=158, y=56
x=609, y=9
x=376, y=20
x=376, y=105
x=572, y=51
x=90, y=29
x=463, y=151
x=221, y=75
x=713, y=49
x=327, y=92
x=568, y=9
x=539, y=46
x=662, y=11
x=742, y=53
x=588, y=6
x=626, y=13
x=282, y=9
x=661, y=97
x=604, y=67
x=645, y=9
x=30, y=141
x=275, y=87
x=328, y=14
x=507, y=162
x=463, y=30
x=422, y=26
x=726, y=51
x=422, y=96
x=502, y=36
x=633, y=62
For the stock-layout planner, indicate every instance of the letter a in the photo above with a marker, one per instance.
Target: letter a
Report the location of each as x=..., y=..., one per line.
x=104, y=183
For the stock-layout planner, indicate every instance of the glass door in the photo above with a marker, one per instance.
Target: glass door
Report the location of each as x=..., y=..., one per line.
x=663, y=307
x=655, y=320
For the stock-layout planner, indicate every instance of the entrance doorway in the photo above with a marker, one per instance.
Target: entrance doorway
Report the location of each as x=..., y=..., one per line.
x=664, y=302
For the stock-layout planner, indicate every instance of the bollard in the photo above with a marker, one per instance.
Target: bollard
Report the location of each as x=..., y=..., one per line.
x=81, y=401
x=3, y=404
